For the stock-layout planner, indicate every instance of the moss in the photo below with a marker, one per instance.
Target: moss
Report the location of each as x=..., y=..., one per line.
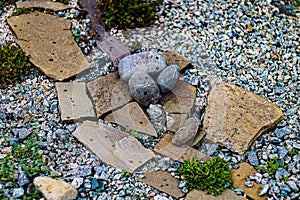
x=272, y=166
x=128, y=13
x=212, y=176
x=20, y=11
x=13, y=64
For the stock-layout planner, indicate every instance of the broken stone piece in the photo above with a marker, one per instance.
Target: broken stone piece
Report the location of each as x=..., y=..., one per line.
x=114, y=48
x=239, y=177
x=74, y=103
x=157, y=117
x=235, y=117
x=108, y=93
x=48, y=4
x=163, y=181
x=112, y=146
x=149, y=62
x=227, y=194
x=55, y=189
x=143, y=88
x=166, y=148
x=173, y=58
x=48, y=42
x=133, y=117
x=186, y=134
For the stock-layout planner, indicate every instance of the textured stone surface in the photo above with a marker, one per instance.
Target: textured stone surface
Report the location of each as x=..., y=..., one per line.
x=168, y=78
x=55, y=189
x=44, y=4
x=186, y=134
x=166, y=148
x=143, y=88
x=114, y=48
x=235, y=117
x=163, y=181
x=157, y=117
x=227, y=194
x=48, y=42
x=173, y=58
x=108, y=93
x=74, y=103
x=239, y=177
x=180, y=99
x=148, y=62
x=133, y=117
x=112, y=146
x=175, y=121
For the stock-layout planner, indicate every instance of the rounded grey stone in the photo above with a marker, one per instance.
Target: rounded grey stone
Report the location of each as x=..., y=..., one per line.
x=143, y=88
x=186, y=134
x=149, y=62
x=168, y=78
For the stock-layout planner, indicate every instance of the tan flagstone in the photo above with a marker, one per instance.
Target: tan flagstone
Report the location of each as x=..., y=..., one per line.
x=48, y=4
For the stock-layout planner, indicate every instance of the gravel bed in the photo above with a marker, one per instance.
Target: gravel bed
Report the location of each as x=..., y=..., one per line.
x=249, y=44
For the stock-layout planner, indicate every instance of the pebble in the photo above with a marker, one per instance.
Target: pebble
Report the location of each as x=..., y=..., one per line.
x=252, y=158
x=281, y=173
x=264, y=190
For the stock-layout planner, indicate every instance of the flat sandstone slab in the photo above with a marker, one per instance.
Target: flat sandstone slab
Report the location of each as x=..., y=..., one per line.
x=133, y=117
x=173, y=58
x=108, y=92
x=112, y=146
x=227, y=194
x=74, y=103
x=163, y=181
x=48, y=4
x=48, y=42
x=235, y=117
x=166, y=148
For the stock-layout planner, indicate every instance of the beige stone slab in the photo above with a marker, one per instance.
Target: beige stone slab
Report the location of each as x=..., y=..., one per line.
x=174, y=58
x=112, y=146
x=180, y=99
x=55, y=189
x=109, y=92
x=48, y=42
x=48, y=4
x=235, y=117
x=133, y=117
x=239, y=177
x=166, y=148
x=164, y=182
x=227, y=194
x=74, y=103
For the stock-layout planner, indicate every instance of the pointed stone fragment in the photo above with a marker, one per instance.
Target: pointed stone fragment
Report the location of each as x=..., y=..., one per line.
x=74, y=103
x=166, y=148
x=108, y=93
x=112, y=146
x=173, y=58
x=227, y=194
x=239, y=177
x=48, y=42
x=235, y=117
x=164, y=182
x=48, y=4
x=133, y=117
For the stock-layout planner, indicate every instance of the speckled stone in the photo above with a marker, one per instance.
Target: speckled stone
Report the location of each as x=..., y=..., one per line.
x=149, y=62
x=168, y=78
x=143, y=88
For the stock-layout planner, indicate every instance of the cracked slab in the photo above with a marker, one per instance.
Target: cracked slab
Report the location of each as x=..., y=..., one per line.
x=112, y=146
x=73, y=101
x=133, y=117
x=48, y=42
x=48, y=4
x=235, y=117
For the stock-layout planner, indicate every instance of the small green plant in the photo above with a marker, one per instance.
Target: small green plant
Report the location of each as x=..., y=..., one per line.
x=21, y=11
x=135, y=134
x=212, y=176
x=285, y=179
x=13, y=64
x=293, y=152
x=125, y=174
x=128, y=13
x=272, y=166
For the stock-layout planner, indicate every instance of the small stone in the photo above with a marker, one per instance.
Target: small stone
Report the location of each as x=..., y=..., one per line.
x=282, y=152
x=264, y=189
x=77, y=182
x=157, y=117
x=285, y=187
x=18, y=192
x=149, y=62
x=143, y=88
x=281, y=132
x=293, y=186
x=249, y=183
x=168, y=78
x=55, y=189
x=186, y=134
x=252, y=158
x=281, y=173
x=21, y=133
x=85, y=170
x=22, y=178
